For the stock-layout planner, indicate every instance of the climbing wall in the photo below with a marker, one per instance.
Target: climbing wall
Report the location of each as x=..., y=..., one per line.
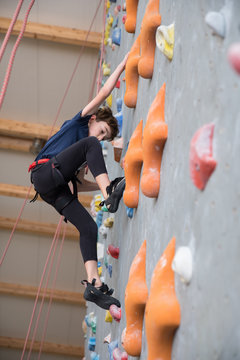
x=181, y=131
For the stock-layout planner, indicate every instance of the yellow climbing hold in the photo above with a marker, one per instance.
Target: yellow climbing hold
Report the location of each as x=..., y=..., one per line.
x=106, y=69
x=109, y=222
x=165, y=40
x=100, y=270
x=108, y=317
x=97, y=200
x=109, y=100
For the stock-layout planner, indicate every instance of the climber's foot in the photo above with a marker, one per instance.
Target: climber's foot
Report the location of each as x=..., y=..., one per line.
x=101, y=296
x=115, y=195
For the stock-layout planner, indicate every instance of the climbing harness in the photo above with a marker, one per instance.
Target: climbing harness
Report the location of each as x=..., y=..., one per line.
x=38, y=162
x=63, y=200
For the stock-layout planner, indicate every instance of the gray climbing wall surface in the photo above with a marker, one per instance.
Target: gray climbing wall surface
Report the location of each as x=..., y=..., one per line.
x=201, y=88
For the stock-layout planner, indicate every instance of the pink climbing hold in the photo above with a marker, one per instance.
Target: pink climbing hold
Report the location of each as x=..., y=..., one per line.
x=115, y=312
x=119, y=355
x=202, y=163
x=124, y=19
x=113, y=251
x=234, y=56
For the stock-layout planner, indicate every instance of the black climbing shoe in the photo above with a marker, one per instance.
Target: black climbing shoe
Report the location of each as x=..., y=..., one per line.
x=110, y=188
x=101, y=296
x=115, y=191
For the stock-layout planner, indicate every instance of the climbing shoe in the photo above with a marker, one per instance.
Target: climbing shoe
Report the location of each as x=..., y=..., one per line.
x=115, y=192
x=101, y=296
x=110, y=188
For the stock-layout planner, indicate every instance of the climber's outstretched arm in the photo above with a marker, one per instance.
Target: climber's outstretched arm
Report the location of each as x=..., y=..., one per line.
x=106, y=90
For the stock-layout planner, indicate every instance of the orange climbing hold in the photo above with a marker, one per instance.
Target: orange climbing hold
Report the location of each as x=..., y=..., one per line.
x=136, y=294
x=131, y=19
x=162, y=316
x=132, y=168
x=154, y=137
x=150, y=23
x=132, y=76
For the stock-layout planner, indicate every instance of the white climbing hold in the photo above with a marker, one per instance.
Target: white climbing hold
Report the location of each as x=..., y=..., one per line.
x=107, y=339
x=217, y=23
x=165, y=40
x=182, y=264
x=103, y=230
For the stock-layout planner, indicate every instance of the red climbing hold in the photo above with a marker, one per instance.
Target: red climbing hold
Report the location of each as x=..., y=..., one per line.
x=113, y=251
x=202, y=163
x=118, y=84
x=115, y=312
x=118, y=355
x=234, y=56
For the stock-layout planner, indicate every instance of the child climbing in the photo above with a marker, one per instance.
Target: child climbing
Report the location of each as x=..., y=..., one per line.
x=63, y=159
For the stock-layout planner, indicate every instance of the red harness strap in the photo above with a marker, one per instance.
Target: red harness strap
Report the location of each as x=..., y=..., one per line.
x=38, y=162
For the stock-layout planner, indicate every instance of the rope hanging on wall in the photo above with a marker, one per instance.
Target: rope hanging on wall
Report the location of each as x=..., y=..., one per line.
x=51, y=294
x=40, y=285
x=13, y=53
x=46, y=286
x=7, y=36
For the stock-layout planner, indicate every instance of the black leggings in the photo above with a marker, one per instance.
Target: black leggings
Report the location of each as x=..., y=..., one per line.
x=86, y=150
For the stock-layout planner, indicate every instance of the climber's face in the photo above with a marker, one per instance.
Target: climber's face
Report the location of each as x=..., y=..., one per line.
x=99, y=129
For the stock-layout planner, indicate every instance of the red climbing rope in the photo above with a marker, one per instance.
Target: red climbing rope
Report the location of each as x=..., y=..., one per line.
x=10, y=64
x=51, y=294
x=7, y=36
x=40, y=285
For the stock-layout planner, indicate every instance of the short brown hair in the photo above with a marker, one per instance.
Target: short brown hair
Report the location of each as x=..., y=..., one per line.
x=105, y=114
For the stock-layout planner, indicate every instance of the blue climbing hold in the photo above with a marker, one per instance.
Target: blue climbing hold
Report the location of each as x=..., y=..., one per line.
x=129, y=212
x=91, y=343
x=119, y=117
x=113, y=345
x=115, y=23
x=119, y=104
x=110, y=270
x=116, y=36
x=94, y=356
x=99, y=218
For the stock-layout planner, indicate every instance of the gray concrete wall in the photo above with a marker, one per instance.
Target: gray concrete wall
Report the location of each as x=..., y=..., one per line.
x=201, y=87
